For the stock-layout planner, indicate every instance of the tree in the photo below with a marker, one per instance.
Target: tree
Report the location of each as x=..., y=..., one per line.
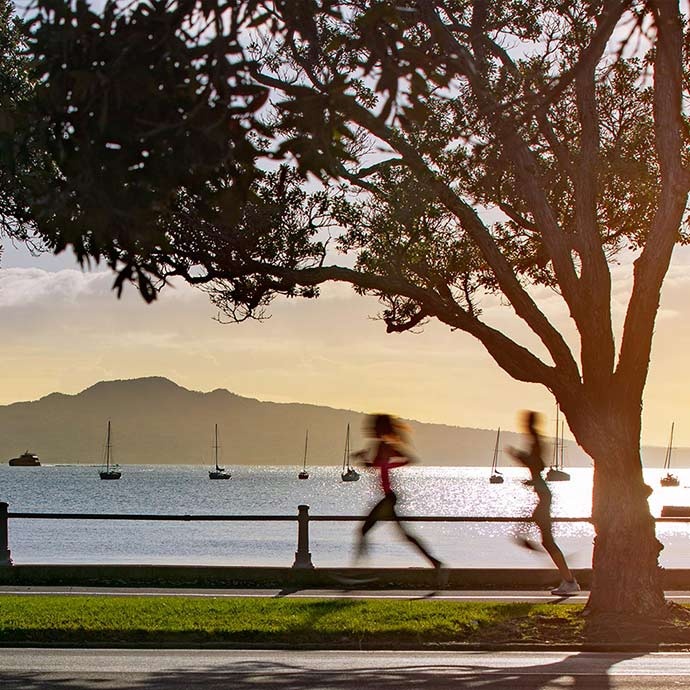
x=463, y=148
x=133, y=106
x=15, y=160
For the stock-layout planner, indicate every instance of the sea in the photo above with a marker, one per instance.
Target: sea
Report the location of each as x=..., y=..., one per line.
x=252, y=490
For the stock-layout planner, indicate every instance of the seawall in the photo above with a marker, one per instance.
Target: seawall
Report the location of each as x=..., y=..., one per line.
x=97, y=575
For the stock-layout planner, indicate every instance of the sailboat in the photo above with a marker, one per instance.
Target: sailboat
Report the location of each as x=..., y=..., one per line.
x=111, y=471
x=303, y=473
x=556, y=472
x=349, y=473
x=670, y=479
x=217, y=472
x=496, y=477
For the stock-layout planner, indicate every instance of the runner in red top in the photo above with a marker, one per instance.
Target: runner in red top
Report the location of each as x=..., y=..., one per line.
x=387, y=456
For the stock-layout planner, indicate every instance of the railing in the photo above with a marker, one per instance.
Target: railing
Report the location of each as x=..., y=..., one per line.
x=302, y=554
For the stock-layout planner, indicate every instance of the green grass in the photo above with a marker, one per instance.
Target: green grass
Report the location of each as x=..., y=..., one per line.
x=180, y=620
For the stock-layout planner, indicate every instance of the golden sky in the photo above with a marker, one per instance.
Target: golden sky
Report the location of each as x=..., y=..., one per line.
x=63, y=330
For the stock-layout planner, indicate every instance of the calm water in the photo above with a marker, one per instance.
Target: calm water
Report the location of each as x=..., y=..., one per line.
x=276, y=490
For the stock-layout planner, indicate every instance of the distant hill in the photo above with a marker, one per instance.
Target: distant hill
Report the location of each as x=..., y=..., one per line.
x=155, y=421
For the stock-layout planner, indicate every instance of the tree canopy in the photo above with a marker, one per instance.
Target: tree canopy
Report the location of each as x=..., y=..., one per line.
x=15, y=160
x=427, y=151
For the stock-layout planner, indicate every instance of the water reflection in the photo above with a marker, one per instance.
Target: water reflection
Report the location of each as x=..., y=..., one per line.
x=276, y=490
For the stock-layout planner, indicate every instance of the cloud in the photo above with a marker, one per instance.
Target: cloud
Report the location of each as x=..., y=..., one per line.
x=23, y=287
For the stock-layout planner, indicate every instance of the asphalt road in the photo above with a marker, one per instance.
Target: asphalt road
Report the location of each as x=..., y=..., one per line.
x=31, y=669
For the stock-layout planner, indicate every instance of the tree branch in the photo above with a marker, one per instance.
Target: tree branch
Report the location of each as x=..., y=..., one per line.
x=590, y=307
x=523, y=304
x=598, y=345
x=652, y=264
x=516, y=360
x=525, y=165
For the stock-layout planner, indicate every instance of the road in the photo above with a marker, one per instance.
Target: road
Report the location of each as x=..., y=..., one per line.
x=34, y=669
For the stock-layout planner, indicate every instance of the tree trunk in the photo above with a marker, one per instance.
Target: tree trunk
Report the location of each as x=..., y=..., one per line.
x=626, y=573
x=625, y=561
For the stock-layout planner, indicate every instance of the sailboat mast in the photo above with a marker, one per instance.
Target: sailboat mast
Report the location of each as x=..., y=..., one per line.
x=494, y=462
x=554, y=462
x=107, y=449
x=215, y=446
x=346, y=454
x=667, y=459
x=561, y=450
x=306, y=443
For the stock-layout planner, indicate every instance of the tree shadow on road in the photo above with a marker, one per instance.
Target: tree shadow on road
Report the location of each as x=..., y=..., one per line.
x=582, y=671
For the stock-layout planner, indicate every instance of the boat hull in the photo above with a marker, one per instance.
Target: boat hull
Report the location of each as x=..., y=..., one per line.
x=303, y=475
x=350, y=476
x=218, y=475
x=670, y=480
x=495, y=479
x=554, y=475
x=110, y=475
x=25, y=460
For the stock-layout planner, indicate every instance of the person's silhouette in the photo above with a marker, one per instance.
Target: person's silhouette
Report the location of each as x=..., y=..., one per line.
x=388, y=453
x=533, y=461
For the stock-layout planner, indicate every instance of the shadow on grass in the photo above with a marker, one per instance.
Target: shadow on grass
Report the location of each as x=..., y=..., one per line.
x=342, y=622
x=326, y=670
x=673, y=626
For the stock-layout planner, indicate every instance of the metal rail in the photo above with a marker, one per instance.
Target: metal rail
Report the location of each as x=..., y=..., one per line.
x=275, y=518
x=302, y=555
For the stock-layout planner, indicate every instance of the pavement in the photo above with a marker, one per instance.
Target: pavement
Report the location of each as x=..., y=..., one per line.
x=292, y=593
x=84, y=669
x=532, y=596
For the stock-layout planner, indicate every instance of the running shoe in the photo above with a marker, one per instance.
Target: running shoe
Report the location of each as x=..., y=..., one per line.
x=566, y=589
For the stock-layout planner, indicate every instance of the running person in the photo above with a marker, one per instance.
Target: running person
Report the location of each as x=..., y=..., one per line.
x=388, y=455
x=533, y=461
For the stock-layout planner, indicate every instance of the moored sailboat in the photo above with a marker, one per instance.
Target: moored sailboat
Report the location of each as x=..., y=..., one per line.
x=217, y=472
x=496, y=477
x=111, y=471
x=349, y=473
x=669, y=479
x=303, y=472
x=556, y=473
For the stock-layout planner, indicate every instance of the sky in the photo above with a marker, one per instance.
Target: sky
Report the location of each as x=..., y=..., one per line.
x=63, y=329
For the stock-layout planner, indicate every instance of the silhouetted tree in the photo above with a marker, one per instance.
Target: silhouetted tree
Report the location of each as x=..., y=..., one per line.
x=463, y=147
x=16, y=160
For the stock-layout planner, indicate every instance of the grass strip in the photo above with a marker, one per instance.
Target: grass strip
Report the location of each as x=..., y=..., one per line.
x=162, y=620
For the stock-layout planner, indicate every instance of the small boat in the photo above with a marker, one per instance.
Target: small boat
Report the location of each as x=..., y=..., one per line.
x=303, y=472
x=556, y=473
x=111, y=471
x=349, y=473
x=669, y=479
x=496, y=477
x=26, y=459
x=218, y=472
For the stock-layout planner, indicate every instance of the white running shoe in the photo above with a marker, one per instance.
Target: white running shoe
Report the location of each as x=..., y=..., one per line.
x=566, y=589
